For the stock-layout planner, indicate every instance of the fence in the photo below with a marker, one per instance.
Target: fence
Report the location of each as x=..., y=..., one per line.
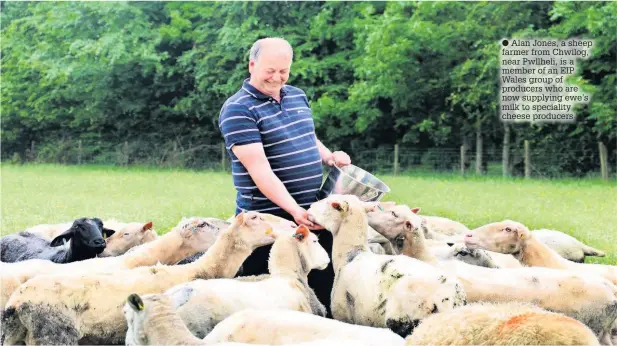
x=524, y=161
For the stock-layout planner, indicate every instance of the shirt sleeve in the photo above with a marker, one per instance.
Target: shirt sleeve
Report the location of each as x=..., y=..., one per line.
x=238, y=126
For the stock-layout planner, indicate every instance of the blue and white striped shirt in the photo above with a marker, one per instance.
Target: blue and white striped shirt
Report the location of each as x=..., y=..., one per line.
x=287, y=132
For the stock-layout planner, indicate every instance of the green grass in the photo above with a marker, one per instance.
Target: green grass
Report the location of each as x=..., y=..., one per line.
x=38, y=194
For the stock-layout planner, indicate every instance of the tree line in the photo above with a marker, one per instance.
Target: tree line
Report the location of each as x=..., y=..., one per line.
x=416, y=74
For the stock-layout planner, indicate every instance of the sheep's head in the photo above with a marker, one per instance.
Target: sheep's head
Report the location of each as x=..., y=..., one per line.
x=507, y=237
x=399, y=224
x=197, y=234
x=301, y=247
x=85, y=234
x=252, y=229
x=128, y=236
x=477, y=257
x=332, y=210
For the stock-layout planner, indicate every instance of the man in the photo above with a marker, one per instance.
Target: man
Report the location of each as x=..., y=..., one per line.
x=276, y=157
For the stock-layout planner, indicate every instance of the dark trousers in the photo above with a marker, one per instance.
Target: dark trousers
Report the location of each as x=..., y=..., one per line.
x=320, y=281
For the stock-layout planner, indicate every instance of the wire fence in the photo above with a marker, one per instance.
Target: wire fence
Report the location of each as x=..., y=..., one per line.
x=522, y=161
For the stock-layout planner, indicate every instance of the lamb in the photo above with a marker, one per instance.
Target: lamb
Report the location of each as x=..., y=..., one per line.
x=292, y=257
x=395, y=291
x=153, y=321
x=278, y=327
x=588, y=298
x=501, y=324
x=88, y=240
x=514, y=238
x=87, y=308
x=565, y=245
x=188, y=237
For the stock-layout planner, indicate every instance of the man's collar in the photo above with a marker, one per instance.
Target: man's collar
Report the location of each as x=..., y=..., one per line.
x=258, y=94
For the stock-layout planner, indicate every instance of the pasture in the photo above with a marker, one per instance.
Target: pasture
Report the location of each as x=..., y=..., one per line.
x=34, y=194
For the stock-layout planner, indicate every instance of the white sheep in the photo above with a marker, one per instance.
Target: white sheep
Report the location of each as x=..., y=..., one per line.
x=292, y=257
x=188, y=237
x=153, y=321
x=279, y=327
x=555, y=290
x=445, y=226
x=52, y=309
x=501, y=324
x=514, y=238
x=565, y=245
x=379, y=290
x=127, y=236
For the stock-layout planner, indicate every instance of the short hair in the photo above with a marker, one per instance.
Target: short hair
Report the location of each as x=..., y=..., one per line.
x=256, y=48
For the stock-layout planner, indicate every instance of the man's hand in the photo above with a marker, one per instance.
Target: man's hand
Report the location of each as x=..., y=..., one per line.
x=340, y=159
x=300, y=215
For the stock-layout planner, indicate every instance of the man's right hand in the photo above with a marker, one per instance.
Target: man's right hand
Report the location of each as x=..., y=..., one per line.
x=300, y=216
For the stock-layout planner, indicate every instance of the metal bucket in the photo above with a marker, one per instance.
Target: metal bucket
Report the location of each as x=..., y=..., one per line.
x=353, y=180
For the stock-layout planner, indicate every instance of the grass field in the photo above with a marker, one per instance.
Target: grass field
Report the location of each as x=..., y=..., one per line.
x=586, y=209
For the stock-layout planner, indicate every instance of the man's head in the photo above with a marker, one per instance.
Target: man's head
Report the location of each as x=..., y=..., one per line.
x=269, y=64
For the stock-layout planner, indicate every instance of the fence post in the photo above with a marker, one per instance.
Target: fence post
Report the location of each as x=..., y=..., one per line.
x=79, y=152
x=603, y=161
x=527, y=161
x=463, y=159
x=126, y=153
x=395, y=159
x=223, y=154
x=479, y=150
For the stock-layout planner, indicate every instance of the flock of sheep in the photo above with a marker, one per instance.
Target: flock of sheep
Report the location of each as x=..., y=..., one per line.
x=400, y=279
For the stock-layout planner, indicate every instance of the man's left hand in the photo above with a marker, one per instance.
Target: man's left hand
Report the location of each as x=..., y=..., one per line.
x=340, y=159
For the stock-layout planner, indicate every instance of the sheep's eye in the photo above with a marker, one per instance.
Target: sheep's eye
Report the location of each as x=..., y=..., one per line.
x=254, y=217
x=394, y=214
x=127, y=234
x=508, y=229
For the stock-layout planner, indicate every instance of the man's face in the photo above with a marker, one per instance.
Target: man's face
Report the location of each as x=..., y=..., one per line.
x=271, y=70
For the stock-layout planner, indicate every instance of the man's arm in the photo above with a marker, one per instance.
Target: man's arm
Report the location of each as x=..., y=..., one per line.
x=253, y=157
x=325, y=153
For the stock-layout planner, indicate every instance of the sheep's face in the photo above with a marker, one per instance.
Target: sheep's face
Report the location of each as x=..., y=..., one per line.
x=309, y=247
x=197, y=234
x=397, y=224
x=477, y=257
x=332, y=210
x=127, y=237
x=506, y=237
x=85, y=233
x=253, y=229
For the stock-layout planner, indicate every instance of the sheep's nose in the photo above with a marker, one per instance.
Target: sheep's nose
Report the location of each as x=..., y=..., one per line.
x=468, y=235
x=98, y=242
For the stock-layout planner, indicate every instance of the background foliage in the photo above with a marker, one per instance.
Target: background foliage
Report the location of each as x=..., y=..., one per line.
x=154, y=75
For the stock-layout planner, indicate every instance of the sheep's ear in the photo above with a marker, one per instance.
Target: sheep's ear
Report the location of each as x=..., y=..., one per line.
x=107, y=232
x=239, y=219
x=135, y=302
x=302, y=232
x=340, y=206
x=415, y=210
x=146, y=226
x=408, y=225
x=61, y=238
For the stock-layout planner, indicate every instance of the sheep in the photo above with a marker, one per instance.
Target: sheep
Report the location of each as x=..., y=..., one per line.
x=153, y=321
x=275, y=221
x=188, y=237
x=555, y=290
x=378, y=290
x=127, y=236
x=292, y=257
x=88, y=240
x=501, y=324
x=514, y=238
x=87, y=308
x=279, y=326
x=445, y=226
x=565, y=245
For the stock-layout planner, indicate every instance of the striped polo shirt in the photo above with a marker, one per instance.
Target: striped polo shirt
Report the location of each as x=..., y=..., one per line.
x=287, y=133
